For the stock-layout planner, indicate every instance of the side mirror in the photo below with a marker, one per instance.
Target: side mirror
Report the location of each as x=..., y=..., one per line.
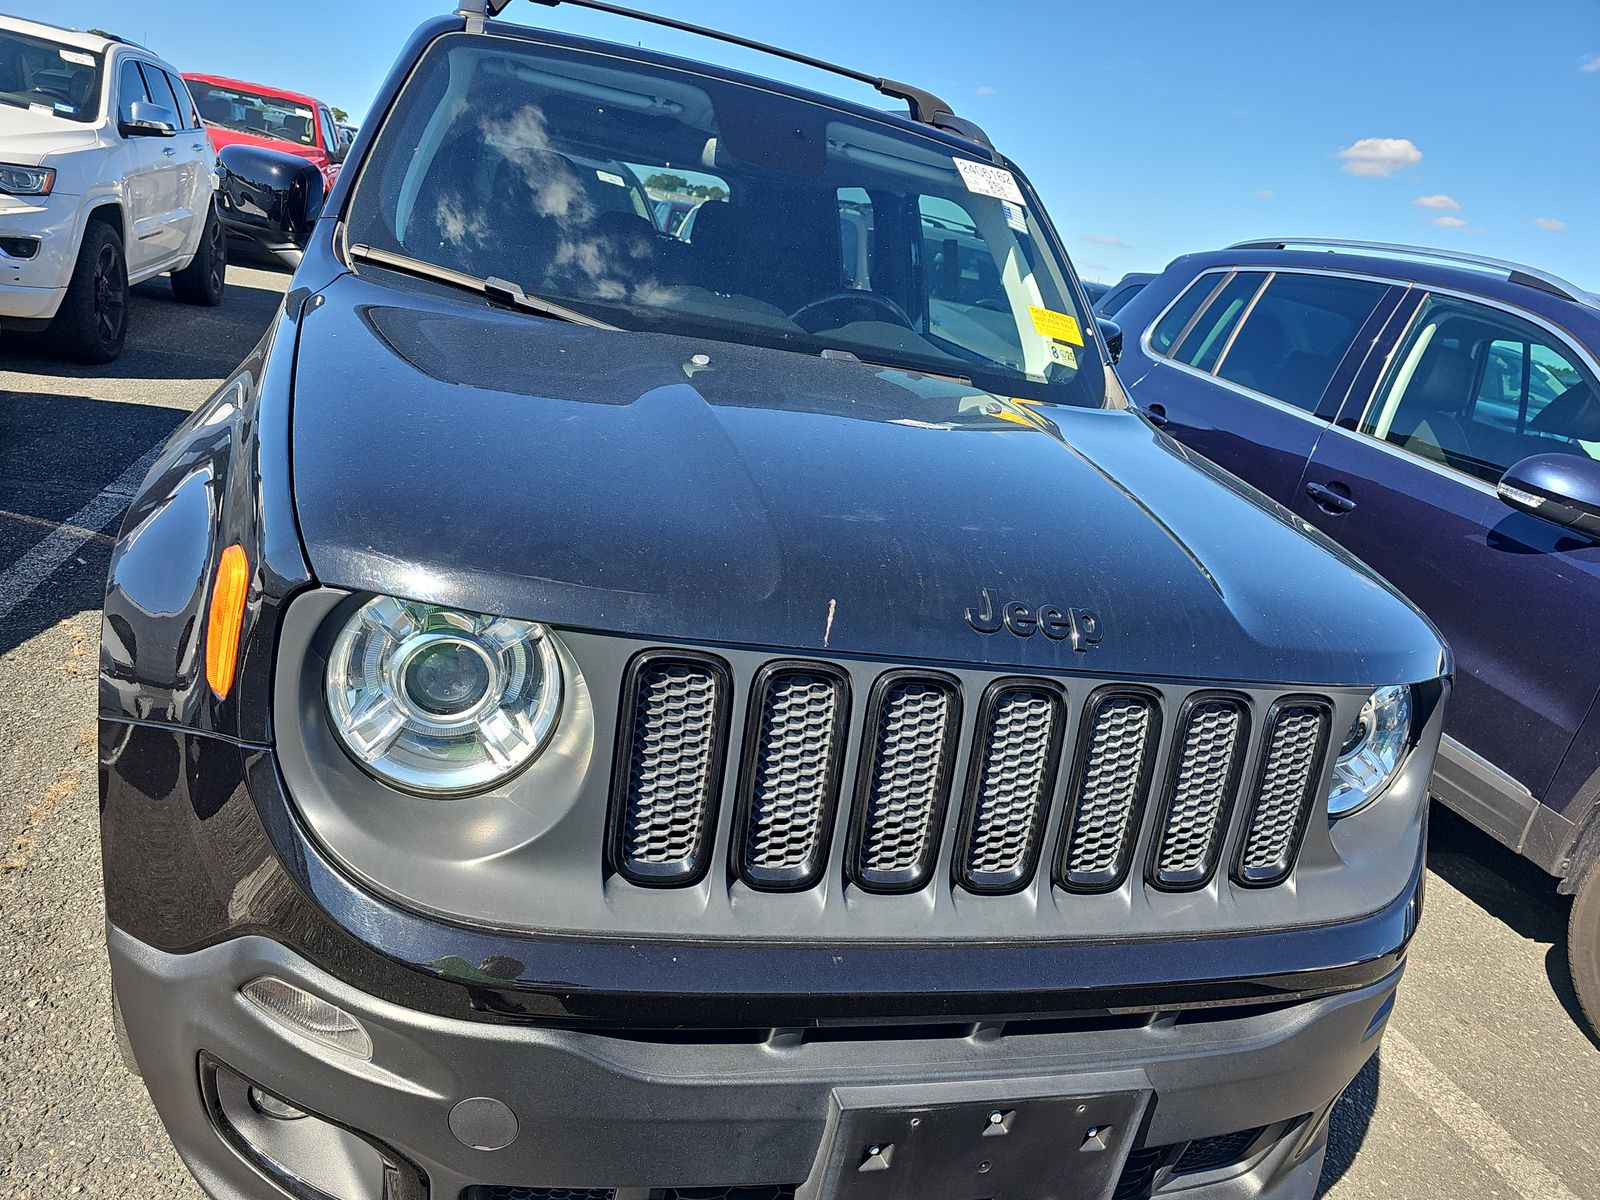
x=146, y=118
x=1112, y=333
x=1562, y=488
x=272, y=198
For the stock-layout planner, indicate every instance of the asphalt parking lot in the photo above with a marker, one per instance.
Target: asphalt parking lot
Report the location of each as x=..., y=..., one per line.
x=1487, y=1085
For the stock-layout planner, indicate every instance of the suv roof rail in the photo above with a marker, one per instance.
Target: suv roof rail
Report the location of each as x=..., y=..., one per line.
x=926, y=108
x=1532, y=277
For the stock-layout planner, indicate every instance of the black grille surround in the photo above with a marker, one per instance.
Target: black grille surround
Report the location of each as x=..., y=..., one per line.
x=797, y=725
x=673, y=738
x=1188, y=780
x=1204, y=769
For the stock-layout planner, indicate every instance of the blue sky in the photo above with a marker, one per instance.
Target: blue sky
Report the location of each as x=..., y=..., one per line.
x=1150, y=129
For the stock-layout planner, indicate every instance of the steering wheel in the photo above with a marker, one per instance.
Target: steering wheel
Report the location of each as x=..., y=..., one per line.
x=861, y=301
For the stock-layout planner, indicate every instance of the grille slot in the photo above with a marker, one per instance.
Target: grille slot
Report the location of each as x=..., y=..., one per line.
x=1014, y=769
x=1291, y=764
x=674, y=727
x=905, y=782
x=1206, y=760
x=1117, y=750
x=791, y=775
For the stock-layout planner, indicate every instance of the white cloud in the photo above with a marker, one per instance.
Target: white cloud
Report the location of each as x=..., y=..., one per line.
x=1265, y=193
x=1379, y=157
x=1550, y=223
x=1103, y=239
x=984, y=90
x=1448, y=222
x=1590, y=63
x=1439, y=202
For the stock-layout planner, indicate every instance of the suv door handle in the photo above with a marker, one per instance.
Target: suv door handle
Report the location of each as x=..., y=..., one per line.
x=169, y=152
x=1329, y=500
x=1157, y=413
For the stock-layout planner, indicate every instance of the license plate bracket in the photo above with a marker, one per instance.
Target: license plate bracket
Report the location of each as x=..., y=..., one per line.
x=1007, y=1140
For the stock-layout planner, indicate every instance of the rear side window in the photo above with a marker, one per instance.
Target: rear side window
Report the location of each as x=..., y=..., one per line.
x=155, y=83
x=1297, y=333
x=1117, y=301
x=1173, y=322
x=1213, y=332
x=187, y=117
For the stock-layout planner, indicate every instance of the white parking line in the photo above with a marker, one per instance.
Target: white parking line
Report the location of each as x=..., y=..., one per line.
x=23, y=577
x=1488, y=1139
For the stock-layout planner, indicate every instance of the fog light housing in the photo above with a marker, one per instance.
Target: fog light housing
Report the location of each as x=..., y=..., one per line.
x=308, y=1157
x=310, y=1016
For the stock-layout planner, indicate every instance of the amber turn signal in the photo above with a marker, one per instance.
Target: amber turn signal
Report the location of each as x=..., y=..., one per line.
x=227, y=618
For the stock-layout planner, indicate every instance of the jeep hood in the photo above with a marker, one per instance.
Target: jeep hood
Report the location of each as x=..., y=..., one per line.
x=31, y=135
x=505, y=463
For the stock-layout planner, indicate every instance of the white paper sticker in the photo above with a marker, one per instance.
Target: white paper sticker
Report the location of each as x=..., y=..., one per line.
x=1016, y=217
x=989, y=181
x=612, y=178
x=76, y=56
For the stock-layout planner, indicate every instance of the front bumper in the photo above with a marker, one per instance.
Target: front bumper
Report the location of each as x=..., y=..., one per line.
x=612, y=1110
x=31, y=286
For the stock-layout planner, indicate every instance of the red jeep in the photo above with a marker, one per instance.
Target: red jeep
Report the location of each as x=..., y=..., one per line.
x=256, y=115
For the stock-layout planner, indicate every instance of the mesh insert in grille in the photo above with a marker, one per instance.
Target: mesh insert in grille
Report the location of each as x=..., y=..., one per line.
x=674, y=730
x=1289, y=769
x=1209, y=752
x=908, y=776
x=792, y=777
x=1017, y=744
x=1120, y=737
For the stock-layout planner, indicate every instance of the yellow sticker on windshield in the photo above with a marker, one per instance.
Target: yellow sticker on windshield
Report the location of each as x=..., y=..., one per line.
x=1060, y=327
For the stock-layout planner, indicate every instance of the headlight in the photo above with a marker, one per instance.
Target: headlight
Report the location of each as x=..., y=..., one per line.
x=439, y=701
x=1372, y=752
x=26, y=181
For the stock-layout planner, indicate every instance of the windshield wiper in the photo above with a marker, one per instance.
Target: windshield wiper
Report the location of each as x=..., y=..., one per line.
x=496, y=290
x=851, y=356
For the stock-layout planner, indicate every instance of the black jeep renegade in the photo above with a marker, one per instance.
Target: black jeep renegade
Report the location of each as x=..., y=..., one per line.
x=673, y=671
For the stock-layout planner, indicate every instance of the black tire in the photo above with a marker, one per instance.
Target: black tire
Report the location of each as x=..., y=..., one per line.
x=203, y=280
x=1583, y=946
x=92, y=323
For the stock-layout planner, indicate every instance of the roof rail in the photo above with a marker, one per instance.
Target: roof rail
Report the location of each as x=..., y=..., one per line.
x=1515, y=272
x=926, y=108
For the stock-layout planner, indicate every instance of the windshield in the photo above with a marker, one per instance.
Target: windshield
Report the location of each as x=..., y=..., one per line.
x=40, y=74
x=660, y=199
x=245, y=111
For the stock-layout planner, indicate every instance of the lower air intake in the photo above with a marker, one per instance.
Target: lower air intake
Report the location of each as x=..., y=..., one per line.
x=699, y=1193
x=673, y=726
x=913, y=729
x=1297, y=735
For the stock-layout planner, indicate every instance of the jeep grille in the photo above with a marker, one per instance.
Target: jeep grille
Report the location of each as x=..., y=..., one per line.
x=1120, y=782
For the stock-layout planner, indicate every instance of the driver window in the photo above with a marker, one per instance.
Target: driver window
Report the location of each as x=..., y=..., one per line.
x=130, y=88
x=1477, y=389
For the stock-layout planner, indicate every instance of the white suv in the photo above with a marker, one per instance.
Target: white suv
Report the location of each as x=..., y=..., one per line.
x=106, y=178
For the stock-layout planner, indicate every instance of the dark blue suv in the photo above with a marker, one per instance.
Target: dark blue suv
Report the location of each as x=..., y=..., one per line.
x=1439, y=416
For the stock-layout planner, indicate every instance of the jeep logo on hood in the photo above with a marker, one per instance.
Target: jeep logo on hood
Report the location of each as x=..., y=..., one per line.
x=1080, y=626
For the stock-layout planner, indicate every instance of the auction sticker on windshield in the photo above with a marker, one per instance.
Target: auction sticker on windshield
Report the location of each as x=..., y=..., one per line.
x=1058, y=326
x=989, y=181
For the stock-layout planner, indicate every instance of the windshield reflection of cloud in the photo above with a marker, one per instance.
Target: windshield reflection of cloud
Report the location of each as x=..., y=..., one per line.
x=583, y=260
